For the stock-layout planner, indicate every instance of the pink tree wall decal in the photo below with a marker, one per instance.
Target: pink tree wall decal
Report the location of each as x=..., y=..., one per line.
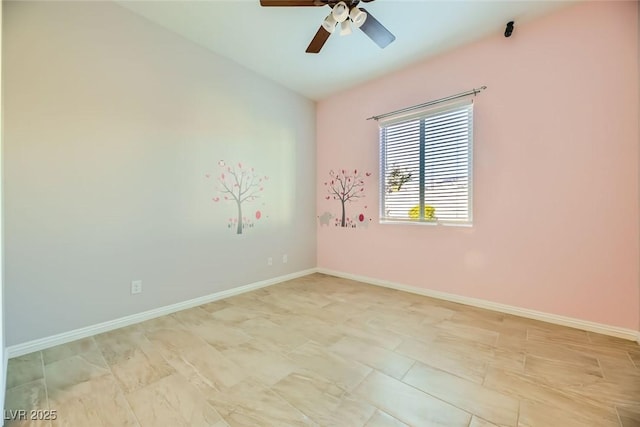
x=345, y=187
x=240, y=185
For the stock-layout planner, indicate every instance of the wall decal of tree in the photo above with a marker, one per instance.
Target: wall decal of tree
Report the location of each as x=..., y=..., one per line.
x=240, y=185
x=345, y=186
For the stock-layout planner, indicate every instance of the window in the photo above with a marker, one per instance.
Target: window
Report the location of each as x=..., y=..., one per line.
x=425, y=166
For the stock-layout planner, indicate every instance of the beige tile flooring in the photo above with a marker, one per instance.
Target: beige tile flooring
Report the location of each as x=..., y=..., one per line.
x=326, y=351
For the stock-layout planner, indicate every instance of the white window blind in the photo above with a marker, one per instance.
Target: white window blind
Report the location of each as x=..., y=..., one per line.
x=426, y=166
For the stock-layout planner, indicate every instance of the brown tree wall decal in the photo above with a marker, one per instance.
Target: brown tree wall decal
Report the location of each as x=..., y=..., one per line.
x=345, y=187
x=240, y=184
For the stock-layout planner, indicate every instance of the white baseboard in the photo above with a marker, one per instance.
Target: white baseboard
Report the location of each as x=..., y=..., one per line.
x=63, y=338
x=586, y=325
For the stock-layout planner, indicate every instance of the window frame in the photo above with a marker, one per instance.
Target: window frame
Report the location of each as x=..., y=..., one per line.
x=422, y=114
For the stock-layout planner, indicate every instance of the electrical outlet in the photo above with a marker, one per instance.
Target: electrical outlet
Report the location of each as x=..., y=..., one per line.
x=285, y=258
x=136, y=287
x=269, y=261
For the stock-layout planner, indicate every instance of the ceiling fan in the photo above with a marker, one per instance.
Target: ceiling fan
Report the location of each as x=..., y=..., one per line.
x=342, y=12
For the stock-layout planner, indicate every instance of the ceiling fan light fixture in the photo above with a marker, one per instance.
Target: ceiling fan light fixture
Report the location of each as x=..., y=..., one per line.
x=329, y=23
x=358, y=16
x=340, y=11
x=345, y=28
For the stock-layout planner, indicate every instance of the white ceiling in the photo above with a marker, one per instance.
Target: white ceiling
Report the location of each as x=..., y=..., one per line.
x=272, y=41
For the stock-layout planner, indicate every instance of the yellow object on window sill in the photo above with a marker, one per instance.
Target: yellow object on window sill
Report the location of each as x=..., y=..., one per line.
x=429, y=213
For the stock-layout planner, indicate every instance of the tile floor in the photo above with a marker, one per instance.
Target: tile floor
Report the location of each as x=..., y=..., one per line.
x=326, y=351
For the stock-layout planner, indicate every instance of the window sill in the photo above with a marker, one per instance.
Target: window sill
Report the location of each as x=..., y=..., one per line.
x=427, y=223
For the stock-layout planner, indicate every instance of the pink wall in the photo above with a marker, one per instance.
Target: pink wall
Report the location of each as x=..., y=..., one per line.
x=555, y=175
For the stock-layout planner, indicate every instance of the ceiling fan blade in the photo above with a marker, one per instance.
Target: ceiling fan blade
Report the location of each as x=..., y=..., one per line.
x=318, y=40
x=286, y=3
x=376, y=31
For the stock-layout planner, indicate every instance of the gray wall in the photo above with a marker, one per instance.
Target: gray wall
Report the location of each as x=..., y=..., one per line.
x=3, y=352
x=114, y=129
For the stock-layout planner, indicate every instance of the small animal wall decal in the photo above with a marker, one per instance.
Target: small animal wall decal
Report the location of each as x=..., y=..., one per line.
x=325, y=218
x=241, y=185
x=347, y=187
